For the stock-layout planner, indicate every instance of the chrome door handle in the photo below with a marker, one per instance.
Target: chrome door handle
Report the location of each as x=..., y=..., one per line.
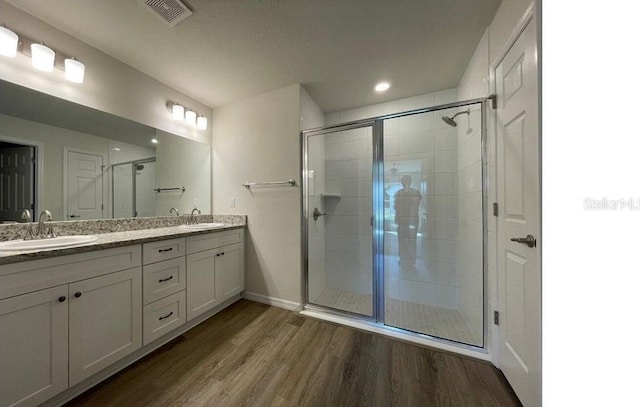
x=317, y=214
x=529, y=240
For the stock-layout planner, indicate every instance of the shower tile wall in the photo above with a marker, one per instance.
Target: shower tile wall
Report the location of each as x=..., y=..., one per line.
x=347, y=203
x=428, y=143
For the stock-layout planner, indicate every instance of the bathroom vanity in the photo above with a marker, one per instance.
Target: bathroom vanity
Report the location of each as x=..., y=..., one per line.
x=69, y=318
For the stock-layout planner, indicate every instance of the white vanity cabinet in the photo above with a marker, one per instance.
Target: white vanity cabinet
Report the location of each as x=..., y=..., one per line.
x=215, y=269
x=164, y=296
x=66, y=319
x=105, y=322
x=33, y=351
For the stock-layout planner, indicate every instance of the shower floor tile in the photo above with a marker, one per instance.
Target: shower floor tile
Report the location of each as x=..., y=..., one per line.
x=435, y=321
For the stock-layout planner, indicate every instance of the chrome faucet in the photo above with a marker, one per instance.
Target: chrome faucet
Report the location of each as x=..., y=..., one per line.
x=45, y=216
x=174, y=211
x=193, y=218
x=26, y=215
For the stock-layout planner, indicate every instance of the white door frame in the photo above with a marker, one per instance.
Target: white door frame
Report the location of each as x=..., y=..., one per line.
x=39, y=168
x=65, y=176
x=528, y=17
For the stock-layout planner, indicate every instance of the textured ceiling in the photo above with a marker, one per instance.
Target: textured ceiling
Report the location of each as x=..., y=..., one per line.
x=229, y=50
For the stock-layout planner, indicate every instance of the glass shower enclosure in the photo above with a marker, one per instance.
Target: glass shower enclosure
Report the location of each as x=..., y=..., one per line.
x=394, y=221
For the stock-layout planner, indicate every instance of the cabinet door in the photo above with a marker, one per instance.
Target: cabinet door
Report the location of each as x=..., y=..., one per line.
x=105, y=321
x=201, y=283
x=33, y=347
x=229, y=271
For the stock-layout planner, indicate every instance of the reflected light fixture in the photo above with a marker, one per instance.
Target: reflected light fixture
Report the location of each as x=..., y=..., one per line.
x=190, y=117
x=42, y=57
x=382, y=86
x=8, y=42
x=154, y=141
x=201, y=123
x=177, y=111
x=74, y=70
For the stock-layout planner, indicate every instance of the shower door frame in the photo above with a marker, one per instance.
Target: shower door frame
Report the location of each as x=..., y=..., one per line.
x=377, y=190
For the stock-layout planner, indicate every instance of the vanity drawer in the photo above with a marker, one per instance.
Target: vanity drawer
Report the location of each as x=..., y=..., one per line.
x=163, y=316
x=163, y=278
x=210, y=241
x=163, y=250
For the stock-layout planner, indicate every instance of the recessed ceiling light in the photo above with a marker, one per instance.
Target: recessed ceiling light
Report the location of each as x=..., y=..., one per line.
x=382, y=86
x=154, y=141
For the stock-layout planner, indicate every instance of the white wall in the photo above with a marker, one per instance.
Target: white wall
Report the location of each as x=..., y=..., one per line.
x=254, y=140
x=110, y=85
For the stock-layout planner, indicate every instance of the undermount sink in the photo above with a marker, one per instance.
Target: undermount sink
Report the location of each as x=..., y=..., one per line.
x=199, y=226
x=51, y=243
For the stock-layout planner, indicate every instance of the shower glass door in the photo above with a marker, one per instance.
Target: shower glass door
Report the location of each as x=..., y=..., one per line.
x=338, y=212
x=433, y=223
x=395, y=221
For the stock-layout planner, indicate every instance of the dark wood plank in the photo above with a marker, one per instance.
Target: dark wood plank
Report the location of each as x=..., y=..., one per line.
x=254, y=355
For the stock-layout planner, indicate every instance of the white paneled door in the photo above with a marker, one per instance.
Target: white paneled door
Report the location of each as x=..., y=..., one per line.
x=519, y=268
x=17, y=178
x=84, y=191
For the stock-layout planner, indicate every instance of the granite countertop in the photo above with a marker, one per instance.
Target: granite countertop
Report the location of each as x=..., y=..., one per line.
x=112, y=239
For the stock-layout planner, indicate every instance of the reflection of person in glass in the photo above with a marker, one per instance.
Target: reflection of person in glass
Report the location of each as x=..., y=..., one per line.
x=406, y=204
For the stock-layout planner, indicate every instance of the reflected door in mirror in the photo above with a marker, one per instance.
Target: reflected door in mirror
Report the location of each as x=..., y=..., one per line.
x=17, y=169
x=84, y=200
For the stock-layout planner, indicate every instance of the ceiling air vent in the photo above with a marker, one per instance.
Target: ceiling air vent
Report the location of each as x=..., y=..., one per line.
x=171, y=11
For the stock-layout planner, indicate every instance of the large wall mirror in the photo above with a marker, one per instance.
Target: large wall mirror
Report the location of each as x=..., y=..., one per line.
x=81, y=163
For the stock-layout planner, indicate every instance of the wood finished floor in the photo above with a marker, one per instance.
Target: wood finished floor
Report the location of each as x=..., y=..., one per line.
x=255, y=355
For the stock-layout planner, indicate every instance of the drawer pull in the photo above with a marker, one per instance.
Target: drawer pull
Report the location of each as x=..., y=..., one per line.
x=166, y=316
x=162, y=280
x=165, y=250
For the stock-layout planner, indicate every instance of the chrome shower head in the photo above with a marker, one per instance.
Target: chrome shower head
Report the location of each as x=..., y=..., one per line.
x=451, y=120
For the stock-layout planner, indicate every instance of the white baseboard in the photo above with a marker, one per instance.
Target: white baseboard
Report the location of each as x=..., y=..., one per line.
x=276, y=302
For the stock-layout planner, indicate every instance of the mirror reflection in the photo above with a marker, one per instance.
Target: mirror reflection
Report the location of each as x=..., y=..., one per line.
x=81, y=163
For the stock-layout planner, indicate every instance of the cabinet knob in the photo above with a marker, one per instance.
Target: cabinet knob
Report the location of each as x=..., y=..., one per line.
x=78, y=294
x=62, y=298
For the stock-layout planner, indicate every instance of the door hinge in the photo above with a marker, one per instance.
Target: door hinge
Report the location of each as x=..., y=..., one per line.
x=496, y=318
x=102, y=207
x=494, y=101
x=495, y=209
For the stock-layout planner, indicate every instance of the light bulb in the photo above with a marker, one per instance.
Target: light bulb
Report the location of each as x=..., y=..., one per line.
x=382, y=86
x=201, y=123
x=190, y=116
x=178, y=111
x=8, y=42
x=42, y=57
x=74, y=70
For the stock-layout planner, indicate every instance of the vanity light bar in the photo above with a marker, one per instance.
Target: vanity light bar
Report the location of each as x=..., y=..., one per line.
x=190, y=116
x=43, y=57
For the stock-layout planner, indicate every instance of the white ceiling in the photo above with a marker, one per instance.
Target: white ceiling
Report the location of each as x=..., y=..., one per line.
x=229, y=50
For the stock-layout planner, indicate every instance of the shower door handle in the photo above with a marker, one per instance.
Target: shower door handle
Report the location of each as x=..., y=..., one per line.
x=529, y=240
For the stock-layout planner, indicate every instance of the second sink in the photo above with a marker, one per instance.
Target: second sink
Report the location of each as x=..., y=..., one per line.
x=198, y=226
x=53, y=243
